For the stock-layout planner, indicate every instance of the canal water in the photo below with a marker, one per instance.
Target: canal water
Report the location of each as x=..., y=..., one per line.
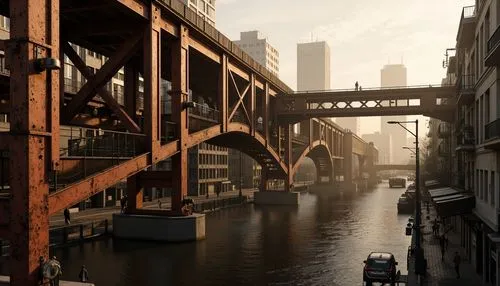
x=322, y=242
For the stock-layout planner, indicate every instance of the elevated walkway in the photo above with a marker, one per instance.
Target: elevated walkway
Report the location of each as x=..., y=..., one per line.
x=431, y=100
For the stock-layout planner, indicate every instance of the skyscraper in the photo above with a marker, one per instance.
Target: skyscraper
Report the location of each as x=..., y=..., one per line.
x=257, y=46
x=391, y=76
x=313, y=66
x=313, y=73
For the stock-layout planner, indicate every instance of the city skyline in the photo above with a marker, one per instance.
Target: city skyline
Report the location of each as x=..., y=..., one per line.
x=386, y=25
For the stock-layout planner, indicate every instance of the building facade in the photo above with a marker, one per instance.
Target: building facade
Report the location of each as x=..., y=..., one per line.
x=258, y=47
x=391, y=76
x=475, y=134
x=349, y=123
x=313, y=66
x=383, y=143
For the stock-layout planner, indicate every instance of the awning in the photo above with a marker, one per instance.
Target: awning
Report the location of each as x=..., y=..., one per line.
x=432, y=184
x=450, y=202
x=435, y=193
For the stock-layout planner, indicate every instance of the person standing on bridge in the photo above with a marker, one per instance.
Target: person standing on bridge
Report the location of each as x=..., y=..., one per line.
x=360, y=88
x=356, y=86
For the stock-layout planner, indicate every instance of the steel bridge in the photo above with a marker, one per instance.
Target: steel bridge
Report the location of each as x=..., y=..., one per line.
x=218, y=95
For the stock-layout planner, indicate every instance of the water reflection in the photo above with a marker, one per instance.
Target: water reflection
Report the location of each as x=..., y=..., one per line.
x=321, y=242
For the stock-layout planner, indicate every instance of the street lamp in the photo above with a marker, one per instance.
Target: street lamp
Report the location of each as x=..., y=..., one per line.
x=411, y=150
x=419, y=254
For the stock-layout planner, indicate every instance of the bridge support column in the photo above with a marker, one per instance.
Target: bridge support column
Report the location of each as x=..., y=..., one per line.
x=155, y=224
x=134, y=194
x=288, y=158
x=180, y=94
x=348, y=184
x=34, y=117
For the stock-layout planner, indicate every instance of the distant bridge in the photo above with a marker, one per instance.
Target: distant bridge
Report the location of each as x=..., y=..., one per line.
x=410, y=167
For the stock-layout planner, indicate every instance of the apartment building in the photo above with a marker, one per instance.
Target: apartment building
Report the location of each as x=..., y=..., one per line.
x=475, y=139
x=259, y=48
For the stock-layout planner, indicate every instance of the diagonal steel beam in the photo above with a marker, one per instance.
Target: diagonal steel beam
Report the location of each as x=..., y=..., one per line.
x=103, y=75
x=92, y=185
x=108, y=98
x=241, y=96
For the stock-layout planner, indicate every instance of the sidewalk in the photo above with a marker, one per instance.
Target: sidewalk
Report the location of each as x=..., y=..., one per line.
x=442, y=273
x=107, y=212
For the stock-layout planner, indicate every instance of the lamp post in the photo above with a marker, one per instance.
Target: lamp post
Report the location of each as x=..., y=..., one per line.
x=419, y=256
x=241, y=175
x=411, y=150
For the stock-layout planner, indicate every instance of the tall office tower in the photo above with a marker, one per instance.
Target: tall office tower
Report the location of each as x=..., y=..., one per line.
x=204, y=8
x=390, y=76
x=257, y=46
x=313, y=66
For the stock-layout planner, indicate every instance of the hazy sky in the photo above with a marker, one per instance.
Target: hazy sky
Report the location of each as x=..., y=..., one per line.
x=363, y=36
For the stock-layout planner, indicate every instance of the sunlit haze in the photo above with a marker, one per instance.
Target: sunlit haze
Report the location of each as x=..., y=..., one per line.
x=363, y=36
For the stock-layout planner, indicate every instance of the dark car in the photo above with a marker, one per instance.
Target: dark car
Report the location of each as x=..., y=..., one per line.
x=401, y=182
x=380, y=267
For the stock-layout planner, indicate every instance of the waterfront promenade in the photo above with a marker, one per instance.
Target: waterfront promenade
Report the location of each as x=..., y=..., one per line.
x=99, y=214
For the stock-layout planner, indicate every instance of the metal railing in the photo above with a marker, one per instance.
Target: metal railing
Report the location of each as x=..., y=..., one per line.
x=465, y=135
x=492, y=130
x=466, y=82
x=494, y=40
x=376, y=88
x=204, y=112
x=87, y=142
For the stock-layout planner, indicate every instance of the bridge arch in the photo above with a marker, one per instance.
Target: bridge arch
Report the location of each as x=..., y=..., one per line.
x=239, y=137
x=320, y=154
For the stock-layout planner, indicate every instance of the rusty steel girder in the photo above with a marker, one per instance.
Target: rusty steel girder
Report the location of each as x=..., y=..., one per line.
x=34, y=132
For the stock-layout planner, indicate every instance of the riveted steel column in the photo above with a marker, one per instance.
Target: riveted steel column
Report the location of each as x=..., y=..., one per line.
x=223, y=93
x=134, y=194
x=131, y=90
x=34, y=99
x=180, y=94
x=288, y=157
x=266, y=115
x=152, y=73
x=252, y=104
x=347, y=144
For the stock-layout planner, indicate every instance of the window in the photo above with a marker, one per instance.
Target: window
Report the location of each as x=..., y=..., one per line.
x=485, y=185
x=68, y=71
x=492, y=188
x=481, y=184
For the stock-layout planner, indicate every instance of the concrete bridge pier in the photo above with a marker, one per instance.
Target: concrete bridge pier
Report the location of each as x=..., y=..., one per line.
x=265, y=196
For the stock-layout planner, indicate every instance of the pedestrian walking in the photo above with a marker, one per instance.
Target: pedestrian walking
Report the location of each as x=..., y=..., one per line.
x=159, y=203
x=360, y=88
x=58, y=271
x=123, y=204
x=442, y=245
x=457, y=260
x=67, y=219
x=356, y=86
x=84, y=274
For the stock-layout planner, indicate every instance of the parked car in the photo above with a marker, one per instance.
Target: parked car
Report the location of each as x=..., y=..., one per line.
x=397, y=182
x=380, y=267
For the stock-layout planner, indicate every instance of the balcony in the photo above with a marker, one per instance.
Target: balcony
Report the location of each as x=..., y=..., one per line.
x=444, y=149
x=492, y=135
x=465, y=35
x=444, y=130
x=466, y=91
x=465, y=139
x=492, y=57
